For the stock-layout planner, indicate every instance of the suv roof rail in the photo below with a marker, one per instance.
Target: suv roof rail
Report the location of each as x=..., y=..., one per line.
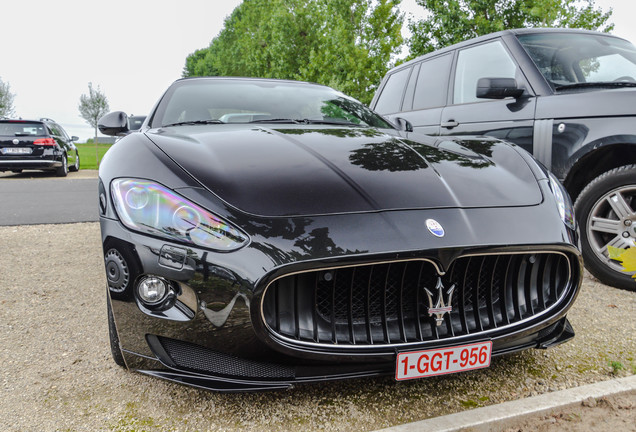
x=46, y=119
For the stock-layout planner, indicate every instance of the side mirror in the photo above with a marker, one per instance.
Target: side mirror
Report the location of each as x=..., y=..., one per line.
x=74, y=138
x=498, y=88
x=403, y=124
x=113, y=124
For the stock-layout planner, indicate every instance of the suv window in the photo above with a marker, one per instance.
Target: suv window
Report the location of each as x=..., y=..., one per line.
x=390, y=100
x=490, y=60
x=432, y=82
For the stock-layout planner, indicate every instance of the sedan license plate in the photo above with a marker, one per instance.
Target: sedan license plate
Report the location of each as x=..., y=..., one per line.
x=420, y=364
x=16, y=150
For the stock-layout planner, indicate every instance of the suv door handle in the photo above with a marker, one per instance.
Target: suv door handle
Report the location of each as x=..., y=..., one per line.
x=449, y=124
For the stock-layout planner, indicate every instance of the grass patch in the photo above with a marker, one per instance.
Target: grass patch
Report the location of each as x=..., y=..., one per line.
x=615, y=367
x=87, y=154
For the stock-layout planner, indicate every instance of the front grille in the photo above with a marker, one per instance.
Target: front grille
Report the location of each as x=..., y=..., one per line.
x=389, y=303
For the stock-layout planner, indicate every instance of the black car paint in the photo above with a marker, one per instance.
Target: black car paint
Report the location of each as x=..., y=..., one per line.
x=300, y=235
x=331, y=170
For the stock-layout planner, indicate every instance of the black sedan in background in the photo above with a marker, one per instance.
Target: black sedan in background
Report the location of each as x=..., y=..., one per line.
x=37, y=145
x=261, y=233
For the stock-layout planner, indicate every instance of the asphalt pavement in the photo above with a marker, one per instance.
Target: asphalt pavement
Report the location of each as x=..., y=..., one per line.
x=34, y=197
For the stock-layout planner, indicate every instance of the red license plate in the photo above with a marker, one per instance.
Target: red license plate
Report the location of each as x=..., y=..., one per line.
x=420, y=364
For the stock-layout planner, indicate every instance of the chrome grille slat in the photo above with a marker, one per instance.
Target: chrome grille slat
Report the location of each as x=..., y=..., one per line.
x=462, y=302
x=503, y=295
x=528, y=282
x=541, y=277
x=489, y=295
x=418, y=312
x=368, y=310
x=385, y=303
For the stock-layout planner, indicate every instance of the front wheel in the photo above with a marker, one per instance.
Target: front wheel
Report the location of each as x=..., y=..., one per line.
x=76, y=165
x=606, y=210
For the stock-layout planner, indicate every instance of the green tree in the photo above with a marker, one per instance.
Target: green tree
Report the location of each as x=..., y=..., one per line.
x=451, y=21
x=92, y=107
x=6, y=100
x=346, y=44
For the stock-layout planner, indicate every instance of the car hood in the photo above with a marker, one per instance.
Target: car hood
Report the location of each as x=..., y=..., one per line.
x=300, y=171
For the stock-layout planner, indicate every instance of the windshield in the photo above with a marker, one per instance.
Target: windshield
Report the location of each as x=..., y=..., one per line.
x=575, y=60
x=210, y=101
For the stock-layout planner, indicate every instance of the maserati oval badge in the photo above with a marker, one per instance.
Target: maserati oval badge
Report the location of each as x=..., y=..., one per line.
x=435, y=228
x=16, y=141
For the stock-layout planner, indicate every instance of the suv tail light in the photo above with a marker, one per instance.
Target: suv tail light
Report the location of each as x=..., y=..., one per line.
x=45, y=142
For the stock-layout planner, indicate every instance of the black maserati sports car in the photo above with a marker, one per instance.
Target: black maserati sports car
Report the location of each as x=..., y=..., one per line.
x=261, y=233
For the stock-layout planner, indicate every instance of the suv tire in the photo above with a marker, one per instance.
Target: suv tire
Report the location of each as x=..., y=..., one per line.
x=606, y=210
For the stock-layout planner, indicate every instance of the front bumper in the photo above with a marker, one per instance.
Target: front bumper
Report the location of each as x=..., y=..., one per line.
x=216, y=337
x=197, y=366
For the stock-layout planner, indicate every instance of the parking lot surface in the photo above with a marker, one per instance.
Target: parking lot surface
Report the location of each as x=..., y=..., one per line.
x=36, y=197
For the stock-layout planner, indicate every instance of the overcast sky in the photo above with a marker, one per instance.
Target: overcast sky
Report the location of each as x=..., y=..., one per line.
x=131, y=49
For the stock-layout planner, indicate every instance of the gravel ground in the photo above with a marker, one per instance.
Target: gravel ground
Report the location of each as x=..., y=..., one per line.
x=613, y=413
x=57, y=372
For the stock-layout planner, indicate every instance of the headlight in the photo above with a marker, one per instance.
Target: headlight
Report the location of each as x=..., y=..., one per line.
x=564, y=204
x=153, y=209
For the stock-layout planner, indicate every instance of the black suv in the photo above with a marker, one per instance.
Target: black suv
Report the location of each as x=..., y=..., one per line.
x=566, y=96
x=36, y=145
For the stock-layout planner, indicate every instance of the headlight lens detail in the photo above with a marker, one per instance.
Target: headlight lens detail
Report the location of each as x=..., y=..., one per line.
x=145, y=206
x=564, y=204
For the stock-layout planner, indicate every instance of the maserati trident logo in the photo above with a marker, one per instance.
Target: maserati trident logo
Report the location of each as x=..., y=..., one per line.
x=441, y=306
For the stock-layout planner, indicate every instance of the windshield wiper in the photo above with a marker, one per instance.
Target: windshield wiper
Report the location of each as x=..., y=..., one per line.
x=306, y=121
x=332, y=122
x=194, y=122
x=598, y=84
x=277, y=120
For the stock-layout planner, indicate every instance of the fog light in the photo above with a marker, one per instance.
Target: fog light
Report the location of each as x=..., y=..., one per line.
x=153, y=290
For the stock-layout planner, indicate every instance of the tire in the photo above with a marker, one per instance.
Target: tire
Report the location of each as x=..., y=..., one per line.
x=115, y=348
x=606, y=211
x=76, y=165
x=63, y=170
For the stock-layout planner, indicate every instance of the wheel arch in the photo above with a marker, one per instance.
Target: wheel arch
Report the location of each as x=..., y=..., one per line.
x=595, y=163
